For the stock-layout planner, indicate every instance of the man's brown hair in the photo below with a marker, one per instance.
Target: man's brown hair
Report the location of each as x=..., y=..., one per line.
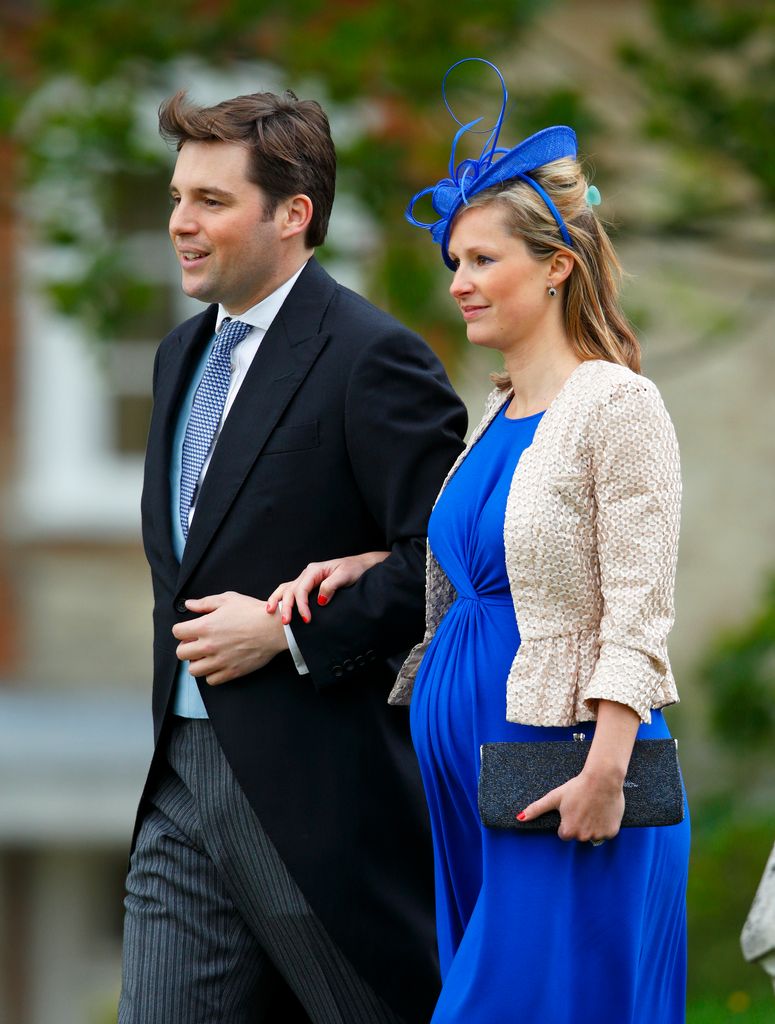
x=288, y=140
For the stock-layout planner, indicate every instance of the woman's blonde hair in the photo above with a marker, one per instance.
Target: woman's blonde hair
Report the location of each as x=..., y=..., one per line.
x=594, y=320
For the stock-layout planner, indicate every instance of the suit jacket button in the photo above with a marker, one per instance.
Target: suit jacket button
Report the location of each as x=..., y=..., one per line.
x=348, y=664
x=180, y=606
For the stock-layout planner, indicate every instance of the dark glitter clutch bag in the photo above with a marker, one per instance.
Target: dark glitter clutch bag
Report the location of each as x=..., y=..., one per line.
x=513, y=775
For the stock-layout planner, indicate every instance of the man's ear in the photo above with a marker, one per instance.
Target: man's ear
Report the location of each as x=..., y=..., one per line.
x=294, y=215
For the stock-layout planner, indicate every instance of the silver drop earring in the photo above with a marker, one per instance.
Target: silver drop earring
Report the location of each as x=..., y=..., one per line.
x=552, y=291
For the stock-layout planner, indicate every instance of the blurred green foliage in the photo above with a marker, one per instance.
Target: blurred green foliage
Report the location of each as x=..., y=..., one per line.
x=738, y=1008
x=740, y=673
x=709, y=73
x=729, y=850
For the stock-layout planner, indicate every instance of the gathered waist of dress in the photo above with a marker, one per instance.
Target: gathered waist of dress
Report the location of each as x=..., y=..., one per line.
x=495, y=599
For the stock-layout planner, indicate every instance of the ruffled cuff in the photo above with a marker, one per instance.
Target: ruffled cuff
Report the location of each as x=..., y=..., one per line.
x=631, y=677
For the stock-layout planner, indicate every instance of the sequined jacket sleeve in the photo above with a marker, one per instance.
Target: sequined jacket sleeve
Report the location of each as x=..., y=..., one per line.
x=637, y=489
x=590, y=535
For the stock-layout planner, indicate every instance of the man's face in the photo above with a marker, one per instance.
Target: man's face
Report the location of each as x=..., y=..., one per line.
x=228, y=249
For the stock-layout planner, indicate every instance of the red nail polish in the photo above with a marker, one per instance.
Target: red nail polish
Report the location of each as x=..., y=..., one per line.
x=521, y=816
x=322, y=599
x=306, y=618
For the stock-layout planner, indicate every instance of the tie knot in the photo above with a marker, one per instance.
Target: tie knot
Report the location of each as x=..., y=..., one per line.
x=231, y=333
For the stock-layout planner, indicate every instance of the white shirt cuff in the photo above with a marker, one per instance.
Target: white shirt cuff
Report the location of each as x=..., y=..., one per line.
x=298, y=657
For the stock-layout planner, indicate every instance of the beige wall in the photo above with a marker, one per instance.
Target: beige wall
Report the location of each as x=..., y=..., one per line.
x=86, y=617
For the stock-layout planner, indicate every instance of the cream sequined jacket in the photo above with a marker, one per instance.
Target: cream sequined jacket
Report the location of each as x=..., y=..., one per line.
x=591, y=537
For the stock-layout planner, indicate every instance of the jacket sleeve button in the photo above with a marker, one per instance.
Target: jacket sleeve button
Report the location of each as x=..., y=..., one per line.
x=337, y=671
x=348, y=664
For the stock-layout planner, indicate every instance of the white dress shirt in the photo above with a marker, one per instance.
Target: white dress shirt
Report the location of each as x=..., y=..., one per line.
x=260, y=318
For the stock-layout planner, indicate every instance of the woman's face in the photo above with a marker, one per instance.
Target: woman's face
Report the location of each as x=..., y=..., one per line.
x=500, y=288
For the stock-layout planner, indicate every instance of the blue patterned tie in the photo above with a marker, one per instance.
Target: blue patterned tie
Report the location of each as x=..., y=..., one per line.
x=206, y=412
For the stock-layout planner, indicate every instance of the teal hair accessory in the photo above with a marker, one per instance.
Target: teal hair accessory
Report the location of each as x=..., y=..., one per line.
x=593, y=196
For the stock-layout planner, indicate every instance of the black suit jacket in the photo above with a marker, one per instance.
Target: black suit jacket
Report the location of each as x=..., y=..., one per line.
x=337, y=443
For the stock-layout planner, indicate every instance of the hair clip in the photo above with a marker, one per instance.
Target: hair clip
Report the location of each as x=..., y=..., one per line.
x=494, y=166
x=593, y=196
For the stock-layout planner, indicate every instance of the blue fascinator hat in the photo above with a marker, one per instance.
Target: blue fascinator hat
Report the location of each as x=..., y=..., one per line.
x=494, y=166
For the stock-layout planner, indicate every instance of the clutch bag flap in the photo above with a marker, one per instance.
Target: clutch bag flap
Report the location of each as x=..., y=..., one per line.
x=513, y=775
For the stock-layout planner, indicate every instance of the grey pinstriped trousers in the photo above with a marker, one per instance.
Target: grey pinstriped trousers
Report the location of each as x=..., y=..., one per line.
x=216, y=930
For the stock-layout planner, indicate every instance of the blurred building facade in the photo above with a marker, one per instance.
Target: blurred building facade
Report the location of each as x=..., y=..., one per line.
x=75, y=735
x=75, y=633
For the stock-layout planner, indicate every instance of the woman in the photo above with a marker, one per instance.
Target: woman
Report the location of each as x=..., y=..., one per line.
x=551, y=565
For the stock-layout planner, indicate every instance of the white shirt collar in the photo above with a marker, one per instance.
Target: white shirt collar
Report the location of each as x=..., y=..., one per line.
x=263, y=313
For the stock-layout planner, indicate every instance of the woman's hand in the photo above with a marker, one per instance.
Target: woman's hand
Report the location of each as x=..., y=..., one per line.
x=329, y=576
x=591, y=805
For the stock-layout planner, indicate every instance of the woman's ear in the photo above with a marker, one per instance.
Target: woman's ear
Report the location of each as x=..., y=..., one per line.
x=560, y=266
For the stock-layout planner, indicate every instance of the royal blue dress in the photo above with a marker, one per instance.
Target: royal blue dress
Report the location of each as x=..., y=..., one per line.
x=531, y=929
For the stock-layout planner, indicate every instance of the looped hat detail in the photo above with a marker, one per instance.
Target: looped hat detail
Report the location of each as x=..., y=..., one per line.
x=494, y=166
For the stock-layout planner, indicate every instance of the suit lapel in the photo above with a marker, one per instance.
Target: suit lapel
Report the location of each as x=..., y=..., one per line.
x=176, y=364
x=284, y=358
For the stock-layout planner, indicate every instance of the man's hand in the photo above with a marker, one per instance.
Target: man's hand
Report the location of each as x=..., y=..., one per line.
x=232, y=637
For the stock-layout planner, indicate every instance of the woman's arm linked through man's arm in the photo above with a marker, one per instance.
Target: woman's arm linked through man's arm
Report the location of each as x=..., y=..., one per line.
x=328, y=576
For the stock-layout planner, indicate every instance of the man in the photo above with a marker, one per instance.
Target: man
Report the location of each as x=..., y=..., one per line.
x=281, y=865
